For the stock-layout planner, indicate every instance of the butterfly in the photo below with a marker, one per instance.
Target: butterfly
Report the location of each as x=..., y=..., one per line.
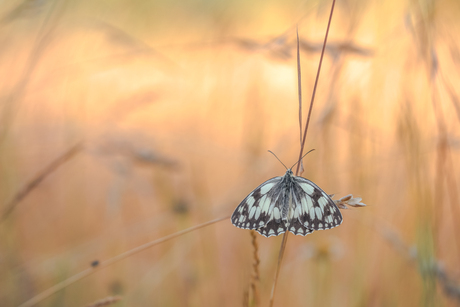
x=287, y=203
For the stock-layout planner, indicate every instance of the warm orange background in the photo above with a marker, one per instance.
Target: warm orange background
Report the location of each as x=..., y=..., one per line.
x=211, y=86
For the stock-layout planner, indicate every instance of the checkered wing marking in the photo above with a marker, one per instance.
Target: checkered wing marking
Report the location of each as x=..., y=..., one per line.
x=314, y=208
x=274, y=228
x=256, y=209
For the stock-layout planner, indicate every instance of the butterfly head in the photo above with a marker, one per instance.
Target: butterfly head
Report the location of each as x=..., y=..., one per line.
x=289, y=173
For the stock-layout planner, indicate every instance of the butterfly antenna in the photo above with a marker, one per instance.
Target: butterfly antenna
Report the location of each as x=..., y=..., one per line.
x=278, y=159
x=302, y=158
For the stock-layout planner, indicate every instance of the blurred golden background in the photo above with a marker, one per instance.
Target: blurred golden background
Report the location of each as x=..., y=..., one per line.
x=175, y=104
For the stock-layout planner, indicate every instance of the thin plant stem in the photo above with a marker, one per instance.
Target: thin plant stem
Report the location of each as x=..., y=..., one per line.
x=105, y=301
x=285, y=235
x=44, y=37
x=299, y=83
x=255, y=277
x=315, y=86
x=35, y=182
x=85, y=273
x=444, y=166
x=280, y=259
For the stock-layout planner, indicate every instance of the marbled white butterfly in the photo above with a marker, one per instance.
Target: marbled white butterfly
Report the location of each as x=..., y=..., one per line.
x=287, y=203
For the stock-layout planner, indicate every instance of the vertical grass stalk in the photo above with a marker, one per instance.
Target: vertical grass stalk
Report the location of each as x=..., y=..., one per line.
x=285, y=236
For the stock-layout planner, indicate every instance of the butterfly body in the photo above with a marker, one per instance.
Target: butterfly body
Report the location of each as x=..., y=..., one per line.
x=287, y=203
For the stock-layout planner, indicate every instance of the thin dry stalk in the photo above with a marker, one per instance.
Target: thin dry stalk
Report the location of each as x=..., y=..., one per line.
x=255, y=300
x=444, y=159
x=450, y=287
x=453, y=97
x=32, y=184
x=285, y=235
x=315, y=86
x=73, y=279
x=299, y=85
x=280, y=259
x=246, y=298
x=44, y=37
x=453, y=195
x=105, y=301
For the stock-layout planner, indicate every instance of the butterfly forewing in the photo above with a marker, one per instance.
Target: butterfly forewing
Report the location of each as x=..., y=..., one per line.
x=317, y=210
x=256, y=209
x=287, y=203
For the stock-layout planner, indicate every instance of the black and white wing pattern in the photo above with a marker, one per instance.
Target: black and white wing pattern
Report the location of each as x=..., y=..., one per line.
x=287, y=203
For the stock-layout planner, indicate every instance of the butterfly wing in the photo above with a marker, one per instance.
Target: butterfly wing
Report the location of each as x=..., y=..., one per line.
x=274, y=228
x=311, y=209
x=307, y=206
x=256, y=210
x=314, y=208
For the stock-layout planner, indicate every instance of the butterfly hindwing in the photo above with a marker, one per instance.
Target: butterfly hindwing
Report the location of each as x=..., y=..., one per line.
x=273, y=228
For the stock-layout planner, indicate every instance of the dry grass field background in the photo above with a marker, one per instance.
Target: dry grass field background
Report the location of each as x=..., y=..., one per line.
x=175, y=104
